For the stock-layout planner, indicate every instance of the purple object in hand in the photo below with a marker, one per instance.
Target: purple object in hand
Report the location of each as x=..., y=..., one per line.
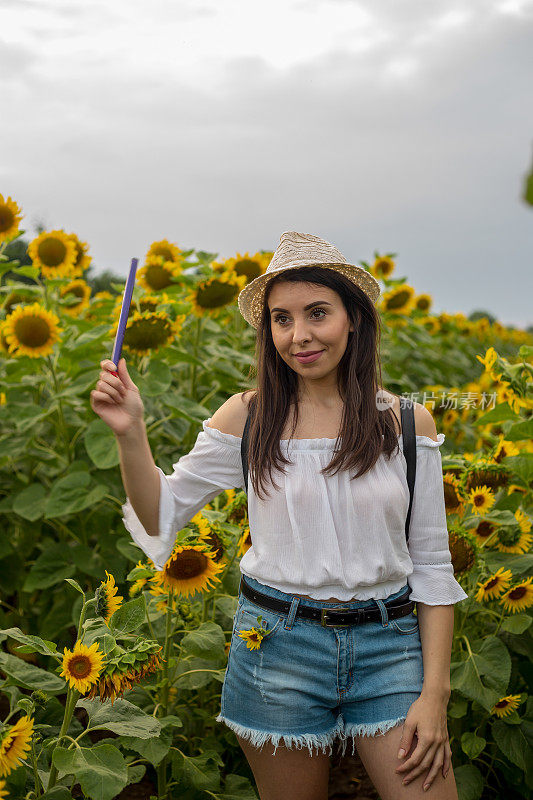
x=124, y=312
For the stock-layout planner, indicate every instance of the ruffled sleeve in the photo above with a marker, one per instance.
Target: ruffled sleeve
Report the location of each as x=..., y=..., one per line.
x=432, y=580
x=213, y=464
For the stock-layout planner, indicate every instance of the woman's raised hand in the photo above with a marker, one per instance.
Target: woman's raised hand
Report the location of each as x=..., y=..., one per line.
x=116, y=399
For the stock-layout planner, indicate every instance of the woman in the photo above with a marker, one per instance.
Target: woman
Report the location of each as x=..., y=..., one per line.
x=327, y=533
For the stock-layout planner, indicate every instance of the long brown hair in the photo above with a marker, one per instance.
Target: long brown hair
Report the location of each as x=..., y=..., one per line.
x=365, y=430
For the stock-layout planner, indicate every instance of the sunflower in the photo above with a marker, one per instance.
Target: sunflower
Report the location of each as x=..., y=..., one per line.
x=483, y=531
x=158, y=273
x=514, y=487
x=452, y=495
x=519, y=596
x=83, y=259
x=190, y=569
x=17, y=298
x=489, y=360
x=10, y=216
x=208, y=536
x=15, y=741
x=448, y=419
x=492, y=587
x=245, y=541
x=31, y=331
x=146, y=332
x=398, y=300
x=463, y=550
x=82, y=666
x=99, y=302
x=124, y=668
x=382, y=267
x=249, y=266
x=138, y=583
x=430, y=323
x=54, y=253
x=237, y=509
x=213, y=294
x=78, y=290
x=513, y=540
x=423, y=302
x=481, y=499
x=148, y=302
x=503, y=449
x=253, y=637
x=506, y=705
x=166, y=250
x=106, y=601
x=485, y=473
x=506, y=395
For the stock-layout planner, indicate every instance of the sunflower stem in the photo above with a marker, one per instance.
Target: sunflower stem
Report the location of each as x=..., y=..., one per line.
x=498, y=626
x=162, y=767
x=61, y=416
x=38, y=784
x=197, y=334
x=147, y=617
x=72, y=698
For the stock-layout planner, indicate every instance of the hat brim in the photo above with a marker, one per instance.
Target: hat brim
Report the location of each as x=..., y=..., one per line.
x=251, y=297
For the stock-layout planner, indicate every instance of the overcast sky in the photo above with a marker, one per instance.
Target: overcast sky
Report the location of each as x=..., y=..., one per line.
x=401, y=125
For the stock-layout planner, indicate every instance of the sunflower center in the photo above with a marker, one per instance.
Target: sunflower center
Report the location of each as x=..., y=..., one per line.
x=479, y=500
x=484, y=529
x=492, y=583
x=518, y=593
x=247, y=267
x=216, y=294
x=80, y=666
x=52, y=251
x=190, y=564
x=32, y=331
x=399, y=300
x=502, y=704
x=7, y=218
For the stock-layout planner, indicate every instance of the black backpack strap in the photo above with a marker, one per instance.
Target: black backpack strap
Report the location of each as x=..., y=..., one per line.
x=244, y=450
x=407, y=412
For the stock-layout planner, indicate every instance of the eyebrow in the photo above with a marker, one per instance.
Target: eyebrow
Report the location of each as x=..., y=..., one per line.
x=307, y=307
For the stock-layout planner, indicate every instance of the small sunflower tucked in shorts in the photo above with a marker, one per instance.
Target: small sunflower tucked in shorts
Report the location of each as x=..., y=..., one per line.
x=254, y=636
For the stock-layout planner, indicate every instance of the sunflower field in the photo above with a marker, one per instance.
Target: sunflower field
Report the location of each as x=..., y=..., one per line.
x=111, y=670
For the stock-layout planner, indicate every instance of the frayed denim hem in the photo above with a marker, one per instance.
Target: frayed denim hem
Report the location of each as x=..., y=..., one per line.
x=309, y=740
x=367, y=729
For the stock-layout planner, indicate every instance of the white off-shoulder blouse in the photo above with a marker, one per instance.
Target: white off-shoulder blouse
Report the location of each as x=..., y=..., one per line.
x=322, y=536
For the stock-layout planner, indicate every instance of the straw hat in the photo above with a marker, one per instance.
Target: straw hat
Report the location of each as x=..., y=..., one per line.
x=297, y=250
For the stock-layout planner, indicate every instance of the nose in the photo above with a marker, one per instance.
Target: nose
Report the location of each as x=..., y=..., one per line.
x=300, y=332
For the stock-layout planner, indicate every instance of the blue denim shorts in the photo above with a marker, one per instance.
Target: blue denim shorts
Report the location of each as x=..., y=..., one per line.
x=307, y=684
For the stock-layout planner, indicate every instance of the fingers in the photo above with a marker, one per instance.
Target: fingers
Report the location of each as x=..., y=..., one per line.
x=109, y=383
x=407, y=738
x=447, y=759
x=419, y=761
x=438, y=762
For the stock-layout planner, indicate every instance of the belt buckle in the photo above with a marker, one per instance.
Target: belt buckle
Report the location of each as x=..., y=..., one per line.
x=325, y=624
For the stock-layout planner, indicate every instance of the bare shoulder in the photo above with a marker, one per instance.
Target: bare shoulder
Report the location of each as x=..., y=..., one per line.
x=231, y=416
x=424, y=422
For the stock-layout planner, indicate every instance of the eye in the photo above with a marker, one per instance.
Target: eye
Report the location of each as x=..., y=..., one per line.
x=314, y=311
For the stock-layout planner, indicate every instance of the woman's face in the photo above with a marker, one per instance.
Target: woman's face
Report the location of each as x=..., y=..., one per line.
x=308, y=317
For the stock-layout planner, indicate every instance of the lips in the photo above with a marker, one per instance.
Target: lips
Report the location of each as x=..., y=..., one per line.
x=307, y=358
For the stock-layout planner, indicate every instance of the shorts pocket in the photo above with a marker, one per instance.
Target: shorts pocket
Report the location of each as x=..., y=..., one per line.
x=405, y=625
x=246, y=619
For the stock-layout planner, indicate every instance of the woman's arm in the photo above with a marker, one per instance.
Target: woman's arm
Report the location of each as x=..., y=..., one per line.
x=436, y=635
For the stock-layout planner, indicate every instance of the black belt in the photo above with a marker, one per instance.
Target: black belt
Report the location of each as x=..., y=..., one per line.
x=398, y=607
